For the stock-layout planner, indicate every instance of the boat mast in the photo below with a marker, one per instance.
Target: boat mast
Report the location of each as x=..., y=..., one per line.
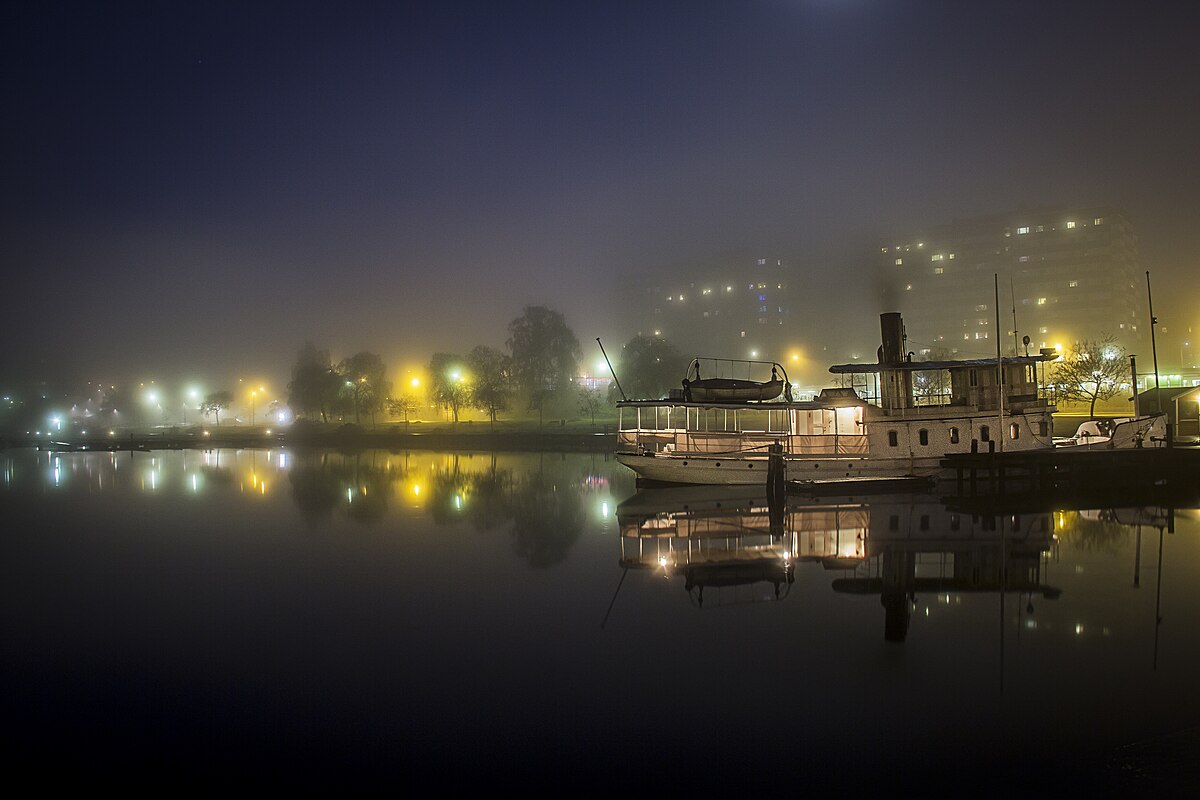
x=999, y=367
x=1153, y=346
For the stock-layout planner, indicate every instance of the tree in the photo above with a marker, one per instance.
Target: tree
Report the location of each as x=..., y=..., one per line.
x=402, y=406
x=650, y=366
x=589, y=402
x=932, y=385
x=491, y=380
x=448, y=381
x=364, y=383
x=215, y=402
x=545, y=352
x=315, y=384
x=1094, y=369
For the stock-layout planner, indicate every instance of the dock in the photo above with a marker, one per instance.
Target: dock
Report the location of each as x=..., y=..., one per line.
x=1073, y=469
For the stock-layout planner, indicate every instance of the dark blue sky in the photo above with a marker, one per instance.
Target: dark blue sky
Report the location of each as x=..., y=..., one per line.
x=195, y=189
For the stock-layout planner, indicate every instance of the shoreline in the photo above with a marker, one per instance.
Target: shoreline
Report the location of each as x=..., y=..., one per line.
x=596, y=441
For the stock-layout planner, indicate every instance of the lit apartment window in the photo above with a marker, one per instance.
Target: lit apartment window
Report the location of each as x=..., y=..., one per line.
x=1070, y=225
x=938, y=270
x=743, y=334
x=1073, y=284
x=762, y=261
x=920, y=244
x=981, y=335
x=908, y=287
x=1041, y=228
x=1043, y=330
x=899, y=261
x=981, y=307
x=936, y=257
x=952, y=256
x=1023, y=259
x=1022, y=230
x=1098, y=221
x=883, y=249
x=1041, y=301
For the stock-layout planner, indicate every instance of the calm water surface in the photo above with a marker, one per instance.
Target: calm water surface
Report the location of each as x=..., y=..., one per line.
x=313, y=619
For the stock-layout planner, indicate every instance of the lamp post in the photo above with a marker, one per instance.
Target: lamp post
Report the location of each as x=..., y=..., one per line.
x=193, y=395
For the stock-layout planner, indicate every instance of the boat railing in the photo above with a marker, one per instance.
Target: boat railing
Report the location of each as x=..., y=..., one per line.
x=719, y=442
x=828, y=444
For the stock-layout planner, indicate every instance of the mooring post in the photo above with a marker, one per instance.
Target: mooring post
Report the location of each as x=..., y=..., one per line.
x=775, y=474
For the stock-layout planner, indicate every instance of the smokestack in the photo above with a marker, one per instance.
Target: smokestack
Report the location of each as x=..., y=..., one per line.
x=891, y=328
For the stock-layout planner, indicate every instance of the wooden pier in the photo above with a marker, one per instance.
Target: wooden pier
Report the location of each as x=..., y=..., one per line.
x=1068, y=469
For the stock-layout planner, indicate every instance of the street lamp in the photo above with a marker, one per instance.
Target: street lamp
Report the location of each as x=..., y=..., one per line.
x=193, y=396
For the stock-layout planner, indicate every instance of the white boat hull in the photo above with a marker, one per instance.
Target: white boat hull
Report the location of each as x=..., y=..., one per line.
x=750, y=470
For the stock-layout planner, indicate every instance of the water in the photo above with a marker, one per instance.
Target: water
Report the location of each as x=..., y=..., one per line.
x=316, y=619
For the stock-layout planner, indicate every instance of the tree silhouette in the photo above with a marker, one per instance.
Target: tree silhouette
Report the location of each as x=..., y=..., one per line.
x=1094, y=369
x=314, y=385
x=649, y=366
x=491, y=380
x=448, y=381
x=364, y=383
x=216, y=402
x=545, y=355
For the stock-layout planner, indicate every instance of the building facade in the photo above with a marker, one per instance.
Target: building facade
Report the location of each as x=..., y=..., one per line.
x=741, y=310
x=1064, y=275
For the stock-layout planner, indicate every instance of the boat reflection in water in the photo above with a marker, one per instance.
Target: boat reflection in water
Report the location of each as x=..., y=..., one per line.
x=893, y=546
x=730, y=541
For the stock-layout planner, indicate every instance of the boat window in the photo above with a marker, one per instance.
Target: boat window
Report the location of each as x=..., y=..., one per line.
x=893, y=439
x=985, y=433
x=923, y=435
x=1014, y=431
x=954, y=436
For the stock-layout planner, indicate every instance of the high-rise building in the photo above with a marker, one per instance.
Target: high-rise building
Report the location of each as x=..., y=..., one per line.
x=1064, y=275
x=737, y=311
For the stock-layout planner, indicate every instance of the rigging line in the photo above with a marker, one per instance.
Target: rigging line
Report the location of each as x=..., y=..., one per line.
x=624, y=572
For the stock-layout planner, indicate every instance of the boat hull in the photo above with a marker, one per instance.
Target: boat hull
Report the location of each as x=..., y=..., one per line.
x=752, y=470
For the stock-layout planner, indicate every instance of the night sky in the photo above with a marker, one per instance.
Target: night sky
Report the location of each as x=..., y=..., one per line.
x=192, y=190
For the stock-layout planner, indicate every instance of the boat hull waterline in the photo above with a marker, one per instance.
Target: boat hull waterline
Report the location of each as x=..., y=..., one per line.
x=752, y=470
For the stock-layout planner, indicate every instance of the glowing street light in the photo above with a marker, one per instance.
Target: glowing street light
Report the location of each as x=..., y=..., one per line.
x=193, y=397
